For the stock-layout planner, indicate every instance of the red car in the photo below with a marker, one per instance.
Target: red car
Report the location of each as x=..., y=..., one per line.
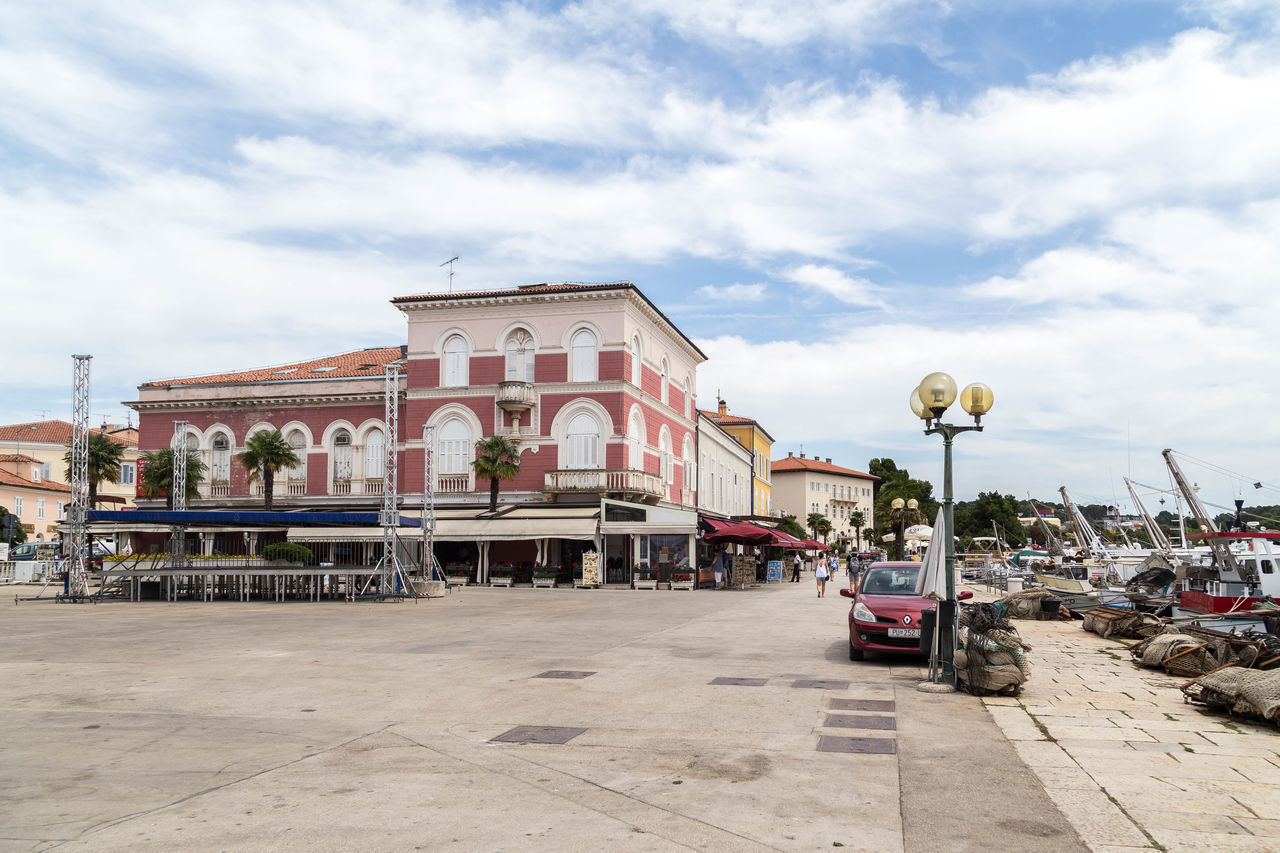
x=885, y=616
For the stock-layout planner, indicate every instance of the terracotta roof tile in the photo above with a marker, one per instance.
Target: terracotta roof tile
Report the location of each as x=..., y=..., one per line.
x=13, y=457
x=8, y=479
x=795, y=463
x=51, y=432
x=360, y=363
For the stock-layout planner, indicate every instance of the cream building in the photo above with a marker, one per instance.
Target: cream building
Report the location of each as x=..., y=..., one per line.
x=44, y=446
x=724, y=471
x=846, y=497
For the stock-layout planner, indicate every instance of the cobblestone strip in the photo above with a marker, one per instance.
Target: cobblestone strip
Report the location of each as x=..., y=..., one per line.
x=1128, y=763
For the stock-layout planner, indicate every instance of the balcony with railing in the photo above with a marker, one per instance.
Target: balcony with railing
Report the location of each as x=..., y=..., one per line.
x=515, y=397
x=220, y=490
x=629, y=483
x=453, y=484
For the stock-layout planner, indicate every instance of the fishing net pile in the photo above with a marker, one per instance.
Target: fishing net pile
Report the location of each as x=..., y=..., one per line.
x=1155, y=651
x=1024, y=604
x=993, y=659
x=1246, y=692
x=1120, y=622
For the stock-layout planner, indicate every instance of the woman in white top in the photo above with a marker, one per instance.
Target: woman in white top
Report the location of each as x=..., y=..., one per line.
x=821, y=573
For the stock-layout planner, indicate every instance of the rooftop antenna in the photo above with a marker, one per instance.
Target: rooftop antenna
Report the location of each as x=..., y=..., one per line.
x=449, y=264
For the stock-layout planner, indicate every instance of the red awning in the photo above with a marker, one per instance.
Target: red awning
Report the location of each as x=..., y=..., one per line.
x=738, y=533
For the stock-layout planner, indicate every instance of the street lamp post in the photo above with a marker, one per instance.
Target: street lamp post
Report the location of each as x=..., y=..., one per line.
x=929, y=402
x=901, y=509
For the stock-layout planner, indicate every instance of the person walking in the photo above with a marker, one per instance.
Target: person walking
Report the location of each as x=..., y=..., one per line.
x=821, y=573
x=795, y=571
x=717, y=565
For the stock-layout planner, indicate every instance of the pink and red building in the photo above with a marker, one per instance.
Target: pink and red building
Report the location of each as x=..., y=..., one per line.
x=591, y=381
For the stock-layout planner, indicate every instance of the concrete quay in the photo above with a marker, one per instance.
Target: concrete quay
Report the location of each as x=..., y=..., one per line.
x=710, y=720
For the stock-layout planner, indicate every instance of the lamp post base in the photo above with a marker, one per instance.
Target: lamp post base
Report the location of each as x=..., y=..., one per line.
x=934, y=687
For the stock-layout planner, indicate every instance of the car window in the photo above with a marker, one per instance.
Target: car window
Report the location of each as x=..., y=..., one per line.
x=889, y=581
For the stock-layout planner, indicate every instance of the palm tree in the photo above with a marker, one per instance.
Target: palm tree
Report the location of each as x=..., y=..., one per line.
x=498, y=459
x=104, y=463
x=814, y=522
x=265, y=453
x=791, y=527
x=156, y=474
x=823, y=528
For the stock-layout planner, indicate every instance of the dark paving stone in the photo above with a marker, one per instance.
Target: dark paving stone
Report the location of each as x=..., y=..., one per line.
x=853, y=721
x=821, y=684
x=563, y=673
x=741, y=682
x=538, y=734
x=862, y=705
x=862, y=745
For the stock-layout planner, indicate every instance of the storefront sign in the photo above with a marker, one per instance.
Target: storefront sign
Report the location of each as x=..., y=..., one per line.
x=591, y=568
x=774, y=568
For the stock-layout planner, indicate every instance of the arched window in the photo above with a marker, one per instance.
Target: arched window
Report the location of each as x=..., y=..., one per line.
x=583, y=442
x=635, y=361
x=667, y=469
x=519, y=353
x=454, y=454
x=220, y=470
x=455, y=362
x=690, y=467
x=375, y=455
x=342, y=455
x=666, y=396
x=635, y=442
x=298, y=442
x=688, y=396
x=584, y=357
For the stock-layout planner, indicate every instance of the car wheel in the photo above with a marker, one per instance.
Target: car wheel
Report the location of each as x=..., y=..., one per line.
x=856, y=653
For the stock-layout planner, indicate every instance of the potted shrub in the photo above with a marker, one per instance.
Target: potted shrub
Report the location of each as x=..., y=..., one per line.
x=458, y=574
x=544, y=576
x=501, y=574
x=644, y=577
x=681, y=579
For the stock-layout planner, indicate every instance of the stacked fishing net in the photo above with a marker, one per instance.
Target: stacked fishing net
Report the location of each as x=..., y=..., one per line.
x=1024, y=604
x=1247, y=692
x=1154, y=651
x=993, y=659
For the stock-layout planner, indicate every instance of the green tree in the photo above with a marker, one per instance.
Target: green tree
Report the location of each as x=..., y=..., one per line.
x=975, y=518
x=104, y=463
x=265, y=453
x=791, y=527
x=19, y=535
x=823, y=528
x=496, y=459
x=814, y=522
x=897, y=482
x=157, y=475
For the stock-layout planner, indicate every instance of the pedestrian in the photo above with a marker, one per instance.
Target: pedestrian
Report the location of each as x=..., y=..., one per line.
x=833, y=565
x=820, y=574
x=795, y=571
x=717, y=565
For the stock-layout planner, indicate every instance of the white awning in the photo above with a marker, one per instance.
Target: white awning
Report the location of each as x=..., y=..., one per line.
x=505, y=528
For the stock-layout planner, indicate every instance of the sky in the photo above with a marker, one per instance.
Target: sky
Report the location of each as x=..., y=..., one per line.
x=1077, y=204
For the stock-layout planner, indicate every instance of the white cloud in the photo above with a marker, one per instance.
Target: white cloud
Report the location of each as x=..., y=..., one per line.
x=848, y=289
x=733, y=292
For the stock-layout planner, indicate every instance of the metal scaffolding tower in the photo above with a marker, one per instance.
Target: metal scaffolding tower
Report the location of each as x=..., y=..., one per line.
x=390, y=576
x=430, y=565
x=77, y=514
x=178, y=491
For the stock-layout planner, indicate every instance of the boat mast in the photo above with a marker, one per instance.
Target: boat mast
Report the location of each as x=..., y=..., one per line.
x=1085, y=534
x=1222, y=555
x=1158, y=539
x=1055, y=546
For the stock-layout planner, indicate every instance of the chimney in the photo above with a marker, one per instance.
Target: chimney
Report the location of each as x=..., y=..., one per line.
x=790, y=455
x=404, y=350
x=828, y=460
x=801, y=454
x=722, y=407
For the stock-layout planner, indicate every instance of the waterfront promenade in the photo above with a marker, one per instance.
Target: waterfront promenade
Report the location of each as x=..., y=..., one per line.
x=710, y=720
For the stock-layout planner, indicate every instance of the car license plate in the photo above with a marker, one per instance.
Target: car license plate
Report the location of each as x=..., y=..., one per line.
x=904, y=632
